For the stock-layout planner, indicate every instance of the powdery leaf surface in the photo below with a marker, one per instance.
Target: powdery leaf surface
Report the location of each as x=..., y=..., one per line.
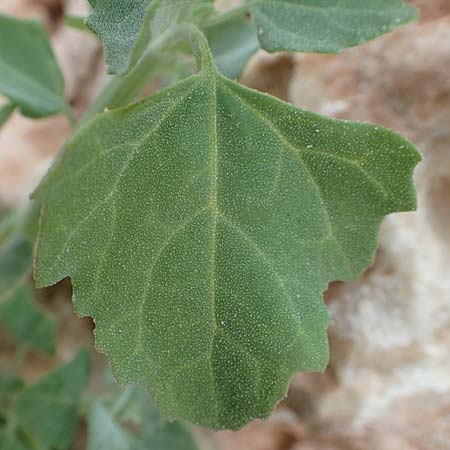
x=200, y=228
x=326, y=26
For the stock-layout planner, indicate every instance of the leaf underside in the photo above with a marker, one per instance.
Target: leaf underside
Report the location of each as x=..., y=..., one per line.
x=200, y=228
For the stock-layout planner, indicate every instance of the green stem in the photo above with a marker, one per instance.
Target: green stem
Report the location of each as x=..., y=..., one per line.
x=70, y=116
x=200, y=47
x=121, y=91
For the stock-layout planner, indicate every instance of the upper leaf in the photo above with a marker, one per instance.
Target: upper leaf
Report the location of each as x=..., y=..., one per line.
x=233, y=41
x=29, y=73
x=200, y=228
x=326, y=26
x=118, y=24
x=126, y=28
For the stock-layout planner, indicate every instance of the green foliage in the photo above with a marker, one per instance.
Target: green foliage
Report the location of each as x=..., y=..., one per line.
x=233, y=41
x=44, y=415
x=200, y=228
x=29, y=74
x=16, y=255
x=201, y=225
x=107, y=430
x=127, y=28
x=27, y=323
x=326, y=26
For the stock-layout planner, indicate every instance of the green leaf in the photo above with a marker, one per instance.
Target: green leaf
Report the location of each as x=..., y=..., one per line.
x=133, y=406
x=9, y=440
x=29, y=74
x=233, y=42
x=326, y=26
x=128, y=28
x=16, y=255
x=27, y=323
x=5, y=112
x=105, y=433
x=118, y=25
x=47, y=411
x=200, y=228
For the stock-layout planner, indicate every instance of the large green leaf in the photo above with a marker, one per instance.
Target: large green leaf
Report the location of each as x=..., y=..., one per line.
x=200, y=228
x=325, y=25
x=26, y=322
x=47, y=411
x=29, y=74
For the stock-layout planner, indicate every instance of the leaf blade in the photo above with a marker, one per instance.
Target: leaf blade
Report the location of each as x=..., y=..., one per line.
x=29, y=325
x=47, y=411
x=232, y=42
x=32, y=81
x=232, y=218
x=325, y=26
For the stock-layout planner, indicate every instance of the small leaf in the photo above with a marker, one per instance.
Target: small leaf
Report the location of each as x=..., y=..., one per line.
x=5, y=112
x=233, y=42
x=326, y=26
x=127, y=28
x=47, y=411
x=107, y=432
x=133, y=404
x=200, y=228
x=16, y=255
x=26, y=322
x=118, y=25
x=29, y=74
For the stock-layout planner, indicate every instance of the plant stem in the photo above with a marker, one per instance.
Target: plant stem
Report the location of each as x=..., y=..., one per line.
x=120, y=91
x=70, y=116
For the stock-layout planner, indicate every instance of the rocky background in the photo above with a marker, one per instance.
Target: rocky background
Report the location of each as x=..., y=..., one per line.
x=388, y=383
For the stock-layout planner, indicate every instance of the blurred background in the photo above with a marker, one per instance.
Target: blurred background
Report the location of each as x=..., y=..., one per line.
x=388, y=383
